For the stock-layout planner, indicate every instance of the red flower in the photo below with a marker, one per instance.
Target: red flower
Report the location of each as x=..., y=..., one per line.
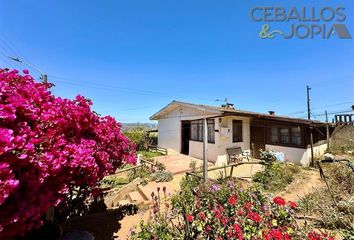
x=279, y=201
x=232, y=200
x=189, y=218
x=202, y=216
x=25, y=71
x=276, y=234
x=317, y=236
x=240, y=212
x=254, y=217
x=223, y=221
x=248, y=205
x=217, y=213
x=292, y=204
x=238, y=231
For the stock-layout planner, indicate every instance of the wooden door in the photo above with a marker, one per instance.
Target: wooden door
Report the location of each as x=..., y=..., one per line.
x=257, y=140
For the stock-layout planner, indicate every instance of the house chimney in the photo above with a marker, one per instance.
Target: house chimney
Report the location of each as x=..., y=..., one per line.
x=271, y=113
x=228, y=106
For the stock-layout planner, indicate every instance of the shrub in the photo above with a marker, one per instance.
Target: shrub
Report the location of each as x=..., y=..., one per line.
x=224, y=211
x=161, y=176
x=113, y=181
x=148, y=155
x=333, y=204
x=267, y=156
x=276, y=177
x=53, y=151
x=139, y=136
x=140, y=172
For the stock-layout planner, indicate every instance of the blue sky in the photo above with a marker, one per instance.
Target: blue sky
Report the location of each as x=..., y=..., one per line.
x=133, y=57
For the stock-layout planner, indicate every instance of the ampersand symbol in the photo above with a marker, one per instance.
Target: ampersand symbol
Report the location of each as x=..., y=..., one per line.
x=266, y=34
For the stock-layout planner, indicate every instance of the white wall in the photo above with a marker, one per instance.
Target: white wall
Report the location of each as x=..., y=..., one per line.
x=299, y=155
x=169, y=134
x=196, y=150
x=225, y=141
x=169, y=126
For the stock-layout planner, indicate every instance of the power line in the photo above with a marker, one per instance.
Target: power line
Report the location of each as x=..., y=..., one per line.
x=336, y=112
x=17, y=51
x=319, y=107
x=112, y=87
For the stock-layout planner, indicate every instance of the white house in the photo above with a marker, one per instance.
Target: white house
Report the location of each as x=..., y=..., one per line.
x=180, y=128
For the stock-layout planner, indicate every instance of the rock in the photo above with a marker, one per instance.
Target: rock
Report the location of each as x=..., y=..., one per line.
x=328, y=156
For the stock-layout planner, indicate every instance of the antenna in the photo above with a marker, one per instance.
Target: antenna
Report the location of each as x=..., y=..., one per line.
x=225, y=100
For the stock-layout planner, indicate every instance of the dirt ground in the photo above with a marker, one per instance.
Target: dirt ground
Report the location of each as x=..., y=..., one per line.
x=304, y=183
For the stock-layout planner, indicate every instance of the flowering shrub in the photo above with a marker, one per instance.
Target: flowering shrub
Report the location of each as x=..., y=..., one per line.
x=52, y=151
x=225, y=211
x=267, y=156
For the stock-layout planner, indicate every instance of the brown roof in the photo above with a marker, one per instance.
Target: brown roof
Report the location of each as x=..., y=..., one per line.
x=230, y=111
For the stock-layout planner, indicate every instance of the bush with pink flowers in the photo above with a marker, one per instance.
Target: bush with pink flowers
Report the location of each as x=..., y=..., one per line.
x=52, y=151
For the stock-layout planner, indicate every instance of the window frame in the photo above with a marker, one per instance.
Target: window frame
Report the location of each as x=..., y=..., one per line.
x=200, y=128
x=290, y=136
x=239, y=125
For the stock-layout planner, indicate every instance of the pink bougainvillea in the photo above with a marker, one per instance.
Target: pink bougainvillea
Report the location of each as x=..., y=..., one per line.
x=50, y=146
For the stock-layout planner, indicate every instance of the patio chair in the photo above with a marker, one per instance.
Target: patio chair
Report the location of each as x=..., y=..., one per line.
x=236, y=155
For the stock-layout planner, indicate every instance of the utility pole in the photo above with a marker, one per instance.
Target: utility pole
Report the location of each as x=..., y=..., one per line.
x=327, y=130
x=308, y=103
x=309, y=118
x=205, y=150
x=44, y=77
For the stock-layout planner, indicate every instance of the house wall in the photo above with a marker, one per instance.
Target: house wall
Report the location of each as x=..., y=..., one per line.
x=225, y=140
x=169, y=134
x=300, y=155
x=169, y=128
x=196, y=150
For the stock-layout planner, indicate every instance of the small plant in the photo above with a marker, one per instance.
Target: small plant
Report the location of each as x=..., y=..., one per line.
x=333, y=203
x=193, y=165
x=161, y=176
x=141, y=172
x=160, y=166
x=148, y=155
x=114, y=182
x=267, y=156
x=276, y=176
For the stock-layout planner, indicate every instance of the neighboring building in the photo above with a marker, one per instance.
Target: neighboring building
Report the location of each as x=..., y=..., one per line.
x=180, y=128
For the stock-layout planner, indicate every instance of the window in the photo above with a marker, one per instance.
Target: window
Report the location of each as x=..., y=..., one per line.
x=197, y=130
x=211, y=130
x=284, y=135
x=236, y=131
x=274, y=136
x=296, y=136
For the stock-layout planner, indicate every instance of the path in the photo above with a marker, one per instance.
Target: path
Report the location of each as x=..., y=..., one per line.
x=305, y=182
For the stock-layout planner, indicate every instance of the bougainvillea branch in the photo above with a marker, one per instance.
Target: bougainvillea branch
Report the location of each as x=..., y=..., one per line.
x=50, y=146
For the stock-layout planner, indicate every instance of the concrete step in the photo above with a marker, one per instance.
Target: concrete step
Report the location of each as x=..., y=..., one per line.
x=135, y=197
x=124, y=202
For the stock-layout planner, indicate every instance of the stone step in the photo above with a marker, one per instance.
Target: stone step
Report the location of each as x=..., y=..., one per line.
x=124, y=202
x=135, y=197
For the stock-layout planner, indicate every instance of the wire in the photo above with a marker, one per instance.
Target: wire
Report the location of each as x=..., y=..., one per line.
x=319, y=107
x=17, y=51
x=338, y=112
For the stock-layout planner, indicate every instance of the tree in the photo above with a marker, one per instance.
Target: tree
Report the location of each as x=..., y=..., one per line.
x=52, y=151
